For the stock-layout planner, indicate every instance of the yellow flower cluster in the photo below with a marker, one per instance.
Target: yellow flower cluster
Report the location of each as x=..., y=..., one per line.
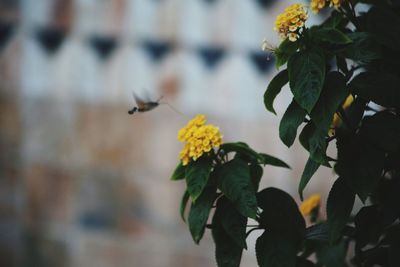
x=289, y=23
x=336, y=119
x=310, y=204
x=199, y=138
x=317, y=5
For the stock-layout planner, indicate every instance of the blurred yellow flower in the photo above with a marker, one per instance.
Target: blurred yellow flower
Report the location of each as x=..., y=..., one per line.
x=336, y=119
x=199, y=139
x=310, y=204
x=317, y=5
x=289, y=23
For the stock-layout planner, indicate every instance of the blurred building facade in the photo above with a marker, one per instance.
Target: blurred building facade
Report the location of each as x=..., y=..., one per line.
x=82, y=183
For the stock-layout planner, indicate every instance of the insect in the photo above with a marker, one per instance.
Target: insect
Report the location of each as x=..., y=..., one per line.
x=142, y=105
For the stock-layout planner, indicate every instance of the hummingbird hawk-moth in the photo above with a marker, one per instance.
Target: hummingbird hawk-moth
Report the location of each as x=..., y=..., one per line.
x=143, y=105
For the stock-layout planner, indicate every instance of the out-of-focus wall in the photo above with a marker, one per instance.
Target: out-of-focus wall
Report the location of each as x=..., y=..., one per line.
x=82, y=183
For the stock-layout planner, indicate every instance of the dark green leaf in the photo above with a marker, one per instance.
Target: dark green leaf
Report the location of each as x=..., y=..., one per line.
x=382, y=130
x=184, y=201
x=284, y=51
x=359, y=163
x=273, y=250
x=369, y=171
x=369, y=226
x=338, y=208
x=381, y=88
x=281, y=214
x=273, y=161
x=318, y=147
x=363, y=49
x=388, y=197
x=392, y=236
x=240, y=148
x=199, y=212
x=235, y=182
x=306, y=77
x=309, y=170
x=342, y=64
x=274, y=88
x=330, y=35
x=333, y=95
x=179, y=172
x=232, y=221
x=306, y=134
x=355, y=112
x=314, y=140
x=291, y=120
x=394, y=256
x=383, y=22
x=334, y=20
x=300, y=262
x=197, y=174
x=227, y=252
x=318, y=232
x=332, y=255
x=256, y=173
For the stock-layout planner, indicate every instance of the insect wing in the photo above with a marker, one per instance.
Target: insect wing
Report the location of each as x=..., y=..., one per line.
x=141, y=104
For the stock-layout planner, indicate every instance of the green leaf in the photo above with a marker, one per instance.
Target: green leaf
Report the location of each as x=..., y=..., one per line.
x=179, y=172
x=381, y=88
x=330, y=35
x=284, y=51
x=338, y=208
x=273, y=250
x=306, y=77
x=291, y=120
x=333, y=95
x=280, y=214
x=232, y=221
x=256, y=173
x=227, y=252
x=318, y=232
x=197, y=174
x=235, y=182
x=309, y=170
x=240, y=148
x=274, y=88
x=199, y=212
x=273, y=161
x=183, y=205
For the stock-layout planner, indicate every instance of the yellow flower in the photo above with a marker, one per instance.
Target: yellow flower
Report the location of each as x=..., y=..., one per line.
x=291, y=21
x=310, y=204
x=317, y=5
x=198, y=138
x=336, y=119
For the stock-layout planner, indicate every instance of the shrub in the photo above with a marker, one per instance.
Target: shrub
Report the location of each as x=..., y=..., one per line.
x=344, y=75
